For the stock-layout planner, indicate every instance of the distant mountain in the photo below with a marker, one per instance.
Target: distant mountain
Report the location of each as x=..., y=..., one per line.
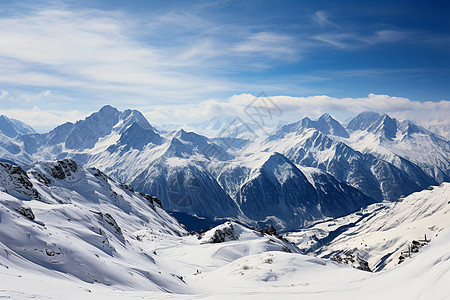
x=325, y=124
x=308, y=146
x=11, y=146
x=187, y=187
x=13, y=128
x=395, y=141
x=85, y=134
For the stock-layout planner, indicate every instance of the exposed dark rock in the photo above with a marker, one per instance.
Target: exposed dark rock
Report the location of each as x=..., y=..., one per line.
x=64, y=168
x=353, y=259
x=106, y=217
x=151, y=199
x=269, y=230
x=26, y=212
x=222, y=234
x=413, y=247
x=41, y=177
x=17, y=182
x=97, y=173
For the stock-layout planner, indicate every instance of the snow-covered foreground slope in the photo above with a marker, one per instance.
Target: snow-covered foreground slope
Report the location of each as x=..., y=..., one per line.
x=383, y=232
x=268, y=275
x=64, y=219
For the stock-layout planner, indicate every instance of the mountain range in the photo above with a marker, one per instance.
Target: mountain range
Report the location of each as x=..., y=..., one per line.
x=293, y=176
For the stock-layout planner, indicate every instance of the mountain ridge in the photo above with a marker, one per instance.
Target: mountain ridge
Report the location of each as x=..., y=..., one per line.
x=185, y=168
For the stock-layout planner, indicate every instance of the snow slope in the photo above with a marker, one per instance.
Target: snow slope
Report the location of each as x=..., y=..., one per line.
x=380, y=235
x=267, y=275
x=69, y=220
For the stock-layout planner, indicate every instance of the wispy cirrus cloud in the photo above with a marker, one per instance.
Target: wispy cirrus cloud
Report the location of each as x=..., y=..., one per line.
x=107, y=52
x=353, y=40
x=269, y=44
x=321, y=17
x=3, y=94
x=352, y=37
x=179, y=54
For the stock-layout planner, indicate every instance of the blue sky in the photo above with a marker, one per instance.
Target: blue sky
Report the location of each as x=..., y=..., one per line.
x=63, y=59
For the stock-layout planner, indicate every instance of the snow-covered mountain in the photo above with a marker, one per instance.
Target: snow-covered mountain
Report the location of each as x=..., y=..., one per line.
x=261, y=181
x=11, y=146
x=308, y=145
x=12, y=127
x=83, y=234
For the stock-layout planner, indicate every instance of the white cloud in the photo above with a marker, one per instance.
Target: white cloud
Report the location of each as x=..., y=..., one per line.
x=44, y=93
x=110, y=52
x=353, y=40
x=3, y=94
x=269, y=44
x=44, y=120
x=321, y=17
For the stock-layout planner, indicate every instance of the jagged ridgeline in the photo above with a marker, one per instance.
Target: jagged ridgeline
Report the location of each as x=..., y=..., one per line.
x=295, y=175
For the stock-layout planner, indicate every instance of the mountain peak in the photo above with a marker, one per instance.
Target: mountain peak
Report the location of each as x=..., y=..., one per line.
x=376, y=123
x=327, y=124
x=325, y=116
x=363, y=120
x=107, y=109
x=12, y=128
x=134, y=116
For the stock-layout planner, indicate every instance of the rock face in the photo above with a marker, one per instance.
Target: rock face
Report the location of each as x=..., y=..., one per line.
x=219, y=234
x=63, y=169
x=353, y=260
x=15, y=181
